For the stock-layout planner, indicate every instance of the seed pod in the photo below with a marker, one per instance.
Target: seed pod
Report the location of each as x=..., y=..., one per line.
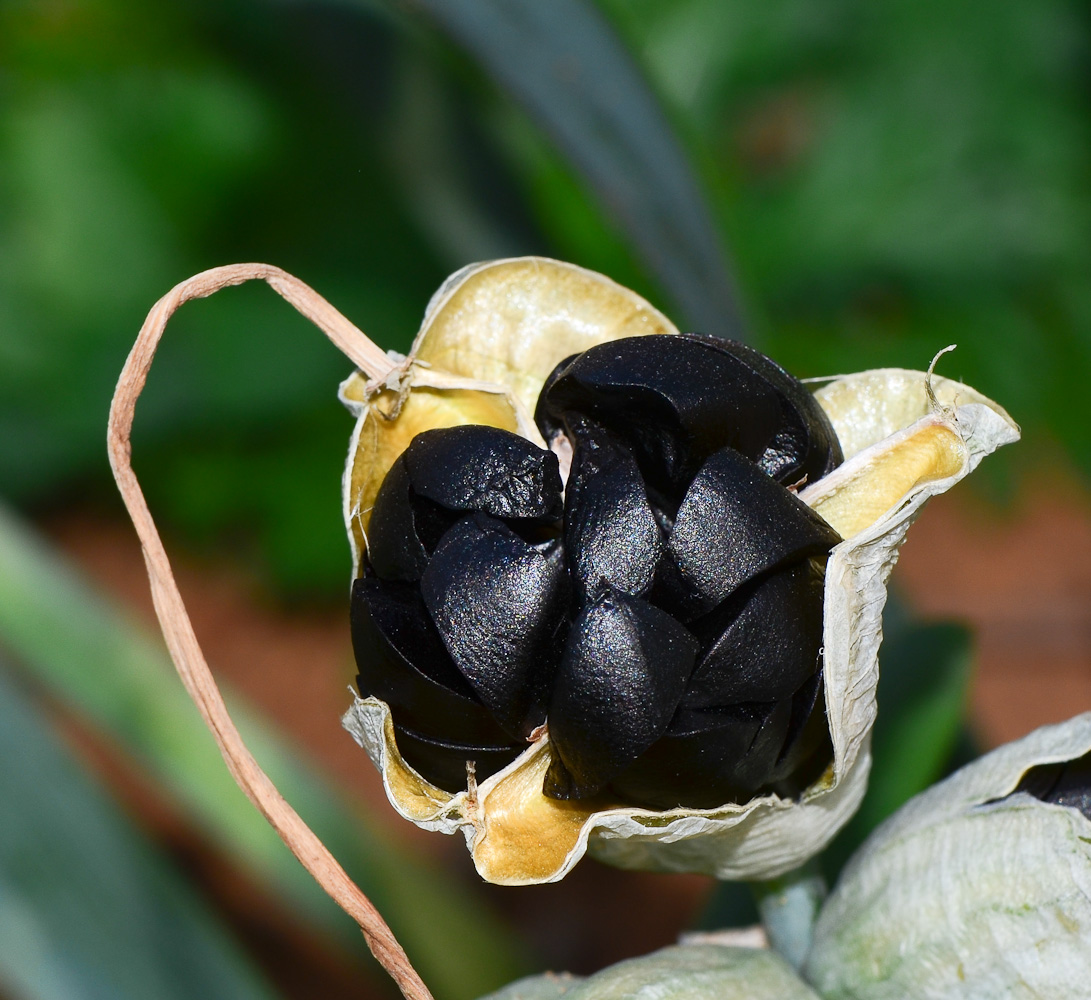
x=686, y=972
x=500, y=330
x=978, y=888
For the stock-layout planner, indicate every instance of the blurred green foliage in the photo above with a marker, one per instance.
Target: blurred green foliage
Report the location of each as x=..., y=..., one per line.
x=896, y=177
x=151, y=936
x=86, y=654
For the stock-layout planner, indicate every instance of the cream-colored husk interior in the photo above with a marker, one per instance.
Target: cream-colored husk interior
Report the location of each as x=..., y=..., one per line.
x=504, y=326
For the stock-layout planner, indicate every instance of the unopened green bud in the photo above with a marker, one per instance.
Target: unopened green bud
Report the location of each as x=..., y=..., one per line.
x=978, y=889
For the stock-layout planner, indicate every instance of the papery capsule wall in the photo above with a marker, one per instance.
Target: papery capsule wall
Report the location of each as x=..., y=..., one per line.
x=969, y=892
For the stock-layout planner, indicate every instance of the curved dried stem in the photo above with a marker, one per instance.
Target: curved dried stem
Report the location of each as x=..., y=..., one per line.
x=169, y=606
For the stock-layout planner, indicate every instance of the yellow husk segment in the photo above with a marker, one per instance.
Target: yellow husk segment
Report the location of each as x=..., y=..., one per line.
x=415, y=797
x=923, y=453
x=524, y=836
x=378, y=440
x=512, y=321
x=905, y=438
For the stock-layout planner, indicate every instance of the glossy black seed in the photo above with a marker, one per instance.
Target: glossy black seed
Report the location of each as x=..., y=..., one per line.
x=765, y=642
x=405, y=528
x=1064, y=784
x=395, y=549
x=611, y=532
x=672, y=624
x=753, y=769
x=622, y=674
x=674, y=401
x=708, y=758
x=735, y=524
x=497, y=602
x=692, y=768
x=402, y=660
x=805, y=447
x=485, y=469
x=444, y=763
x=445, y=474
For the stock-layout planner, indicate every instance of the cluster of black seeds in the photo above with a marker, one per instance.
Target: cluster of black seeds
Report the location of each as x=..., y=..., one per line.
x=662, y=611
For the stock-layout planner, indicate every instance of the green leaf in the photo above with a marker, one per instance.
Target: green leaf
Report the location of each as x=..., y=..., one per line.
x=93, y=659
x=88, y=910
x=566, y=66
x=688, y=972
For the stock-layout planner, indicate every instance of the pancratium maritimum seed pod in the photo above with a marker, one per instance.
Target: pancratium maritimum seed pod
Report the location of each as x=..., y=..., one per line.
x=491, y=338
x=978, y=888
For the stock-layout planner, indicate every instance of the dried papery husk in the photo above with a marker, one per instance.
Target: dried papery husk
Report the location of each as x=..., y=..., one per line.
x=511, y=321
x=686, y=972
x=969, y=892
x=907, y=436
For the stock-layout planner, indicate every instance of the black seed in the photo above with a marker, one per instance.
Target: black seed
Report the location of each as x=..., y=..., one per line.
x=623, y=672
x=769, y=644
x=677, y=399
x=735, y=524
x=1064, y=784
x=497, y=602
x=673, y=401
x=805, y=446
x=405, y=528
x=447, y=473
x=611, y=532
x=478, y=468
x=402, y=661
x=807, y=746
x=708, y=758
x=674, y=636
x=395, y=549
x=753, y=770
x=444, y=763
x=548, y=424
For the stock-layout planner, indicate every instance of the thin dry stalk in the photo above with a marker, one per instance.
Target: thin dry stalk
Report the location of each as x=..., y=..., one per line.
x=177, y=629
